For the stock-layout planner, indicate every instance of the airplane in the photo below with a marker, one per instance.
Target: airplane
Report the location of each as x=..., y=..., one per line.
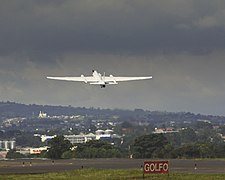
x=98, y=79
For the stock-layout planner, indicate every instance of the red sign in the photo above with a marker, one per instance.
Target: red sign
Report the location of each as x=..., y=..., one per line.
x=156, y=167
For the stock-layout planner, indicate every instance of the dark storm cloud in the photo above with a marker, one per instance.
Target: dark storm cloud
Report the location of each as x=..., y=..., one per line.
x=179, y=42
x=111, y=26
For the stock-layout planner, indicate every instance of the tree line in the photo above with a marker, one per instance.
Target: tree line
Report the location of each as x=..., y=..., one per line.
x=158, y=146
x=145, y=146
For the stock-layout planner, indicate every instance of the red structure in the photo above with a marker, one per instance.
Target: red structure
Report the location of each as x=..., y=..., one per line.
x=156, y=167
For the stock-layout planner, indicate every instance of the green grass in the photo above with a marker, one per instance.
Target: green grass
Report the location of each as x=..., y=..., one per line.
x=93, y=174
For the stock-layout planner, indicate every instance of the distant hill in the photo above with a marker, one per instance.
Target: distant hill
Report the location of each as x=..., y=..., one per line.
x=12, y=109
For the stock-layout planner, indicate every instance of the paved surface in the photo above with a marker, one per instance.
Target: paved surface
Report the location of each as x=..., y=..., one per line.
x=26, y=166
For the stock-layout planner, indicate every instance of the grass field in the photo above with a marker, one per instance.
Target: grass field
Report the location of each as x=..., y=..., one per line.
x=92, y=174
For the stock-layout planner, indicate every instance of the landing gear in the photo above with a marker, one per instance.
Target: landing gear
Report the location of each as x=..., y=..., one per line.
x=103, y=86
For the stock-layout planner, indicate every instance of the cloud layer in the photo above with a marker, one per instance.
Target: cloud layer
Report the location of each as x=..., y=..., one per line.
x=179, y=42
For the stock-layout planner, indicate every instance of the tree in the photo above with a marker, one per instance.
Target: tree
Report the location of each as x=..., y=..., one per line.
x=189, y=151
x=188, y=135
x=195, y=150
x=206, y=151
x=126, y=124
x=149, y=146
x=27, y=139
x=97, y=149
x=58, y=146
x=12, y=154
x=219, y=151
x=174, y=139
x=67, y=155
x=222, y=130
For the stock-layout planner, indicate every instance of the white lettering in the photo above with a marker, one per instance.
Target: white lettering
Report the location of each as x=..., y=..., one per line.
x=146, y=167
x=165, y=167
x=151, y=167
x=160, y=166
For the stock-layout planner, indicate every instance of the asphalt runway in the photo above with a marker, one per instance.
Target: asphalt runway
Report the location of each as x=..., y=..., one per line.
x=30, y=166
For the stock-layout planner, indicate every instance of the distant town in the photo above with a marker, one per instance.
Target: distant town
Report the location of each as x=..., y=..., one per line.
x=28, y=128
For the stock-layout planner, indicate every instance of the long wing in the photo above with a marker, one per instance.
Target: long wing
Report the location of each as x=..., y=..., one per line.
x=117, y=79
x=81, y=79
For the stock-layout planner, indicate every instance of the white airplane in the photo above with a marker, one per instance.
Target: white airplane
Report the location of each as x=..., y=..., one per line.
x=98, y=79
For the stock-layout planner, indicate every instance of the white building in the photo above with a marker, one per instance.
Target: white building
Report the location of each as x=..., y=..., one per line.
x=103, y=132
x=164, y=131
x=38, y=150
x=45, y=138
x=4, y=144
x=42, y=115
x=77, y=139
x=83, y=138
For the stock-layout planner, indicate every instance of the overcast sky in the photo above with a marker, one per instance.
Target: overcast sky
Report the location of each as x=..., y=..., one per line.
x=181, y=43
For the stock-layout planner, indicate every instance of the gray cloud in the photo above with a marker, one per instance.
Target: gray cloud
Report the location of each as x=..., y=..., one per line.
x=111, y=26
x=179, y=42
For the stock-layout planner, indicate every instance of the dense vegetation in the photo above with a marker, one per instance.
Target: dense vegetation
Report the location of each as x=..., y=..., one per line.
x=97, y=149
x=61, y=148
x=58, y=146
x=146, y=146
x=12, y=154
x=158, y=146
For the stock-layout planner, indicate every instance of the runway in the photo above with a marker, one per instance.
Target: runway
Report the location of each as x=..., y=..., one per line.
x=30, y=166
